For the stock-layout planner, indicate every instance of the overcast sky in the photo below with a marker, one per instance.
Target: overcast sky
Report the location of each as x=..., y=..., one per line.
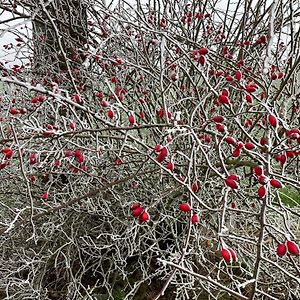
x=7, y=37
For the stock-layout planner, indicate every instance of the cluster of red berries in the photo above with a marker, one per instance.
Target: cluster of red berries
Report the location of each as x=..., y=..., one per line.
x=228, y=254
x=8, y=153
x=232, y=181
x=140, y=212
x=290, y=246
x=185, y=207
x=264, y=180
x=199, y=55
x=163, y=152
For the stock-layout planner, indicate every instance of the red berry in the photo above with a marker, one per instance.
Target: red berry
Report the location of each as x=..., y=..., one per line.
x=263, y=179
x=202, y=60
x=261, y=191
x=170, y=166
x=157, y=148
x=231, y=183
x=8, y=153
x=14, y=111
x=110, y=114
x=218, y=119
x=230, y=140
x=279, y=75
x=281, y=249
x=276, y=183
x=240, y=145
x=142, y=115
x=226, y=254
x=160, y=157
x=72, y=125
x=249, y=146
x=250, y=88
x=185, y=207
x=249, y=98
x=195, y=187
x=131, y=119
x=220, y=127
x=234, y=177
x=238, y=75
x=273, y=120
x=211, y=72
x=195, y=218
x=258, y=170
x=138, y=211
x=263, y=141
x=144, y=217
x=45, y=196
x=203, y=51
x=164, y=151
x=224, y=99
x=293, y=248
x=236, y=152
x=80, y=158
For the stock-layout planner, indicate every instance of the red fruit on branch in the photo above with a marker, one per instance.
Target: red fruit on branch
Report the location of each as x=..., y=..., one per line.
x=263, y=179
x=8, y=153
x=144, y=217
x=164, y=151
x=45, y=196
x=279, y=75
x=185, y=207
x=131, y=119
x=276, y=183
x=14, y=111
x=81, y=158
x=201, y=60
x=251, y=88
x=195, y=218
x=170, y=166
x=238, y=75
x=258, y=170
x=110, y=113
x=236, y=152
x=160, y=157
x=281, y=250
x=218, y=119
x=261, y=192
x=72, y=125
x=249, y=98
x=157, y=148
x=230, y=140
x=220, y=127
x=224, y=99
x=195, y=187
x=293, y=248
x=234, y=177
x=138, y=211
x=203, y=51
x=142, y=115
x=240, y=145
x=231, y=183
x=249, y=146
x=226, y=254
x=273, y=120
